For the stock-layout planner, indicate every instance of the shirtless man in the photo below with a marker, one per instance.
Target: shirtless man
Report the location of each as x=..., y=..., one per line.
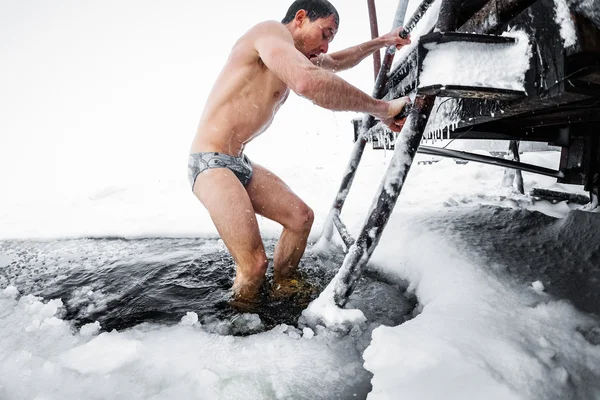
x=267, y=62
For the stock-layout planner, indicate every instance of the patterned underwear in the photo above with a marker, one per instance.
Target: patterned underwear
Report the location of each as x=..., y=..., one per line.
x=198, y=162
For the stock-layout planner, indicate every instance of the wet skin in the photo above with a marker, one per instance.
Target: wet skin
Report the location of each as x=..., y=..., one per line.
x=264, y=65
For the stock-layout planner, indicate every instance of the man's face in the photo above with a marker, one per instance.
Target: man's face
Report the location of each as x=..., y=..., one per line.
x=316, y=35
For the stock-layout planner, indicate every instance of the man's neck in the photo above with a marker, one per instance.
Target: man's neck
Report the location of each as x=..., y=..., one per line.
x=292, y=29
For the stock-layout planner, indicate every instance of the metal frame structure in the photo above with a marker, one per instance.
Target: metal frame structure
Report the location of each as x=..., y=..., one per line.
x=577, y=85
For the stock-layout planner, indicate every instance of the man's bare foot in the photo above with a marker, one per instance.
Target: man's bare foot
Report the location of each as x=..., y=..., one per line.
x=283, y=273
x=286, y=287
x=246, y=295
x=245, y=305
x=246, y=288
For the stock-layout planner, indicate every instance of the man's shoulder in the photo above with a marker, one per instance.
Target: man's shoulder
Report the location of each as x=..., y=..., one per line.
x=247, y=45
x=270, y=28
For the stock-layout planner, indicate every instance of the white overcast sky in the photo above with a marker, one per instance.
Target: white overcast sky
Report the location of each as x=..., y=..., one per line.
x=95, y=90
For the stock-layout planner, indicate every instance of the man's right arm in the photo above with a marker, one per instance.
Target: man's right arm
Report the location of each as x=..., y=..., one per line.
x=275, y=47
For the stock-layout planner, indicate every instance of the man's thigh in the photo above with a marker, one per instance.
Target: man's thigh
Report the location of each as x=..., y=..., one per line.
x=271, y=197
x=231, y=210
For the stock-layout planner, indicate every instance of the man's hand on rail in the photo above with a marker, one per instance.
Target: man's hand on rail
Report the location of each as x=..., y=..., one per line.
x=393, y=39
x=395, y=108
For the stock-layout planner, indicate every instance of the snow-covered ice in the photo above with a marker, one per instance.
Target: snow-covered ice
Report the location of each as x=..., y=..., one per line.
x=481, y=329
x=538, y=286
x=156, y=362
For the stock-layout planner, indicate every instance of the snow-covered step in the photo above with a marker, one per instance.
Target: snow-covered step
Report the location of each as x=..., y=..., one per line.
x=467, y=65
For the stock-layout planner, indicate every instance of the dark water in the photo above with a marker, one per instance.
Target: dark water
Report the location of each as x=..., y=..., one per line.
x=122, y=283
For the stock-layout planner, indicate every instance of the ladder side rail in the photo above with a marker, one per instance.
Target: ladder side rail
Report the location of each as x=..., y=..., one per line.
x=385, y=199
x=368, y=120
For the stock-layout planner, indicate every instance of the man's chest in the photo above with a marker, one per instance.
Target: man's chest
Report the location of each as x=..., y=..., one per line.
x=273, y=87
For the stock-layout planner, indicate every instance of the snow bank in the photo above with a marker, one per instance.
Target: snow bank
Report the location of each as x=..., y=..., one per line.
x=479, y=334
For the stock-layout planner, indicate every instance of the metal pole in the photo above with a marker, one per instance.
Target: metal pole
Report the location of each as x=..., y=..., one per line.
x=514, y=148
x=591, y=165
x=374, y=34
x=501, y=162
x=512, y=176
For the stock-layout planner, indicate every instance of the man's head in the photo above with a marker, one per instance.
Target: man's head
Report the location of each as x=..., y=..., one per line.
x=313, y=24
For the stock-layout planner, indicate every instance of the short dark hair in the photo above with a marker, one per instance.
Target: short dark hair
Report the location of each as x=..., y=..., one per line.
x=315, y=9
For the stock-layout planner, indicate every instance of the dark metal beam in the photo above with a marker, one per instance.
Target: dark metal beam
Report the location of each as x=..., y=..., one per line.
x=374, y=34
x=514, y=149
x=494, y=14
x=448, y=17
x=385, y=200
x=463, y=155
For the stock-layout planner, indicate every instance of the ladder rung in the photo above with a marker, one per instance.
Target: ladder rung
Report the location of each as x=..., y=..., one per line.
x=471, y=92
x=343, y=231
x=446, y=37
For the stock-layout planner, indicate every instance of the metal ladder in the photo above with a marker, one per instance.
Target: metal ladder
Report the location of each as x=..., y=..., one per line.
x=361, y=248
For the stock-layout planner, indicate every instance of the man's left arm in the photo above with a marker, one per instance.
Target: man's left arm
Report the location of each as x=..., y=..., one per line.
x=352, y=56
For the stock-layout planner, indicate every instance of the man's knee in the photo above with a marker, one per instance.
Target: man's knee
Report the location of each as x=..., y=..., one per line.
x=302, y=219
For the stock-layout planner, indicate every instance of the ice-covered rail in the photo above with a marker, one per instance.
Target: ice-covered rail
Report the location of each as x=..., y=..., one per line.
x=369, y=121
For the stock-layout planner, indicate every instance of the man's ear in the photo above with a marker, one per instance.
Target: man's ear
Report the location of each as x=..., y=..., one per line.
x=300, y=17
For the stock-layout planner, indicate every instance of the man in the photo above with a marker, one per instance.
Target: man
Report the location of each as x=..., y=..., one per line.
x=267, y=62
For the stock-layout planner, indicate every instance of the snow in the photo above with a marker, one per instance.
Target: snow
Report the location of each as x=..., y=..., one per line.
x=425, y=24
x=103, y=354
x=538, y=286
x=111, y=162
x=445, y=114
x=476, y=64
x=91, y=329
x=10, y=291
x=562, y=17
x=307, y=333
x=190, y=318
x=324, y=311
